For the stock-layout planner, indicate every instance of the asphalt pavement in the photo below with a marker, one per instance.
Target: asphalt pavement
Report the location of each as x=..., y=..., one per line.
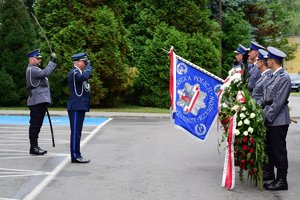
x=134, y=156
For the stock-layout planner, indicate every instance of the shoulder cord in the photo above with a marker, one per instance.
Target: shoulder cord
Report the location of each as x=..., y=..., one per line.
x=31, y=81
x=79, y=95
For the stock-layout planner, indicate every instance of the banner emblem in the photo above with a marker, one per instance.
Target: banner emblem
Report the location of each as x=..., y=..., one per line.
x=194, y=97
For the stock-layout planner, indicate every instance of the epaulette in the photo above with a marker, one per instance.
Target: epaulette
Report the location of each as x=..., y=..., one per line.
x=281, y=73
x=270, y=75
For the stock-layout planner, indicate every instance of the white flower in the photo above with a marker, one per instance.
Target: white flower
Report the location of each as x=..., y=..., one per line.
x=250, y=130
x=235, y=108
x=242, y=115
x=224, y=105
x=243, y=108
x=252, y=115
x=236, y=77
x=240, y=123
x=231, y=72
x=246, y=121
x=236, y=132
x=245, y=133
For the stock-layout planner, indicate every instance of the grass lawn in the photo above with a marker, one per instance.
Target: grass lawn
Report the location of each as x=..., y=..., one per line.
x=121, y=108
x=293, y=66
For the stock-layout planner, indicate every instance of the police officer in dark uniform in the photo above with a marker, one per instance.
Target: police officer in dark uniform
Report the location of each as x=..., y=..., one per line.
x=253, y=71
x=266, y=72
x=239, y=53
x=39, y=96
x=277, y=119
x=79, y=102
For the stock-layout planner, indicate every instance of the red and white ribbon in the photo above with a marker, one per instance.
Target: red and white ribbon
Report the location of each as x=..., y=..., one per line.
x=228, y=180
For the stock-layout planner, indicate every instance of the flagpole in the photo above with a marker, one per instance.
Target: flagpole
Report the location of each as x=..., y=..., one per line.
x=199, y=68
x=195, y=66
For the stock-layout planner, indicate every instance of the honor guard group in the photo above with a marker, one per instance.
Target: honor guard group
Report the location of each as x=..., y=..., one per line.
x=40, y=98
x=270, y=85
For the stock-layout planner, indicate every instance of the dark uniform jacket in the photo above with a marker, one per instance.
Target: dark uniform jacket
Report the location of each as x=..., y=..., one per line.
x=79, y=98
x=37, y=84
x=276, y=94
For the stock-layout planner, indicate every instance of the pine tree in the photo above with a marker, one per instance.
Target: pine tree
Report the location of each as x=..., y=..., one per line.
x=17, y=38
x=158, y=24
x=90, y=26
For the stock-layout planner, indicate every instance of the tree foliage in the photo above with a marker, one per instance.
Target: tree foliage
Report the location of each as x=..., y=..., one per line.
x=17, y=38
x=159, y=25
x=8, y=92
x=124, y=40
x=76, y=26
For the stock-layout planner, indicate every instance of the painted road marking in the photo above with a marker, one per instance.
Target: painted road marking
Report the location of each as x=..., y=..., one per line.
x=35, y=192
x=16, y=135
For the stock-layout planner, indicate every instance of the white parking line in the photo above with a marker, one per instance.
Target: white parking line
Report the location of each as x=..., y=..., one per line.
x=8, y=173
x=35, y=191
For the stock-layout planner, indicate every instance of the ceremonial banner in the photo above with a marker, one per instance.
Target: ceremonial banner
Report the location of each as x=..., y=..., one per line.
x=194, y=97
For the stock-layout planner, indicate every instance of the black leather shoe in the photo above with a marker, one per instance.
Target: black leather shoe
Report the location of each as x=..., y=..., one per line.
x=278, y=184
x=268, y=176
x=37, y=151
x=80, y=160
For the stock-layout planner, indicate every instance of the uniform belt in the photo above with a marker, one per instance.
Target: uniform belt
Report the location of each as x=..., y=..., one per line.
x=268, y=103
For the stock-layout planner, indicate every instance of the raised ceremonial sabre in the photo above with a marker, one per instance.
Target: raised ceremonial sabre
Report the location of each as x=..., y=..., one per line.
x=51, y=52
x=44, y=34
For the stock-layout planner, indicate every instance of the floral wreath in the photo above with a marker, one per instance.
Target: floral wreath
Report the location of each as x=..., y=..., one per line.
x=248, y=132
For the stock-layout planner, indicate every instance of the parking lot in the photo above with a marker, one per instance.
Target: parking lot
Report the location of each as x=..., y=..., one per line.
x=133, y=157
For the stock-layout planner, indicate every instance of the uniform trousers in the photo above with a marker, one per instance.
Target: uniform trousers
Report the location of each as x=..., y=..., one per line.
x=76, y=124
x=276, y=150
x=37, y=114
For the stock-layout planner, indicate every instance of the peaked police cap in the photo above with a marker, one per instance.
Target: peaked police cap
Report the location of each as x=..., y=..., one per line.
x=79, y=56
x=255, y=46
x=262, y=54
x=275, y=54
x=241, y=49
x=34, y=54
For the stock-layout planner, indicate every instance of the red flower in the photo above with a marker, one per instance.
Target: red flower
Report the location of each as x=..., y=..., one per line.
x=241, y=165
x=245, y=139
x=245, y=148
x=251, y=162
x=254, y=170
x=252, y=150
x=252, y=140
x=243, y=154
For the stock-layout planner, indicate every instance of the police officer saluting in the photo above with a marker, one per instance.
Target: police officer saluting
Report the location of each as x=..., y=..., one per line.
x=277, y=119
x=79, y=102
x=39, y=96
x=266, y=72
